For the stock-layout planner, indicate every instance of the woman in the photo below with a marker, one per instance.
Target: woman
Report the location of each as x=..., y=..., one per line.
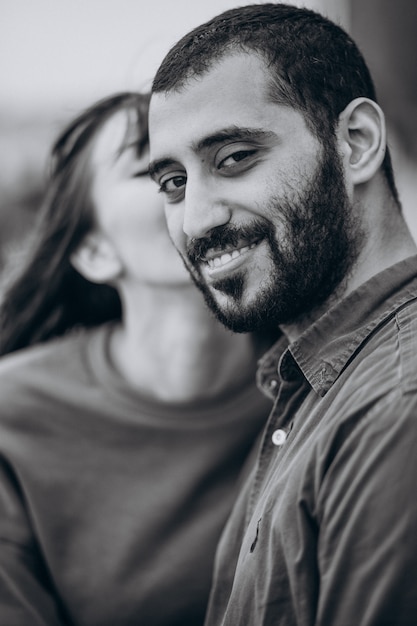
x=127, y=411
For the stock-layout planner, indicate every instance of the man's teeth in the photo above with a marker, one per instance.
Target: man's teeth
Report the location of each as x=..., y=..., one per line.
x=218, y=261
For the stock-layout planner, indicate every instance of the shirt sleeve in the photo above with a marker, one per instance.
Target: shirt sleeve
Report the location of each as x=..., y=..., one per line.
x=25, y=592
x=367, y=518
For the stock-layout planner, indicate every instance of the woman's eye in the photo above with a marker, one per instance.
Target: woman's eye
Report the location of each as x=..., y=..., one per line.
x=235, y=158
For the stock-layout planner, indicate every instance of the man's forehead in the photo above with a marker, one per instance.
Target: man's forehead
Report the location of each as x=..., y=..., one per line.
x=232, y=75
x=157, y=103
x=163, y=128
x=202, y=110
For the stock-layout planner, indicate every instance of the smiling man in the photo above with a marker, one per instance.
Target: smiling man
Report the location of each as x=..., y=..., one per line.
x=259, y=250
x=270, y=149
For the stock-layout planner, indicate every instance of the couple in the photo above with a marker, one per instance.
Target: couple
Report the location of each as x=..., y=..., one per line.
x=270, y=151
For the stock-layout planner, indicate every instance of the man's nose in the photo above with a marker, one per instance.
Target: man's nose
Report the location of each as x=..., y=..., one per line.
x=204, y=209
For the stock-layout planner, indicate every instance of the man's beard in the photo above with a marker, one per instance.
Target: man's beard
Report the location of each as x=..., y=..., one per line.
x=319, y=242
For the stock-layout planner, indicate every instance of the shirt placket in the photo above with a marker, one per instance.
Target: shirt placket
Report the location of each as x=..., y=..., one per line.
x=289, y=398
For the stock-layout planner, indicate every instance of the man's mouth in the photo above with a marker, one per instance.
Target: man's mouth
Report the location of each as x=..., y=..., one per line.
x=215, y=259
x=227, y=248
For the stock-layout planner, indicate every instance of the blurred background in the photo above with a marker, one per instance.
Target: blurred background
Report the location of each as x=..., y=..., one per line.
x=57, y=57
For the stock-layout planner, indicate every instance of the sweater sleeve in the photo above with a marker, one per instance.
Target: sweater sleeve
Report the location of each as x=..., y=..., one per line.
x=367, y=518
x=26, y=595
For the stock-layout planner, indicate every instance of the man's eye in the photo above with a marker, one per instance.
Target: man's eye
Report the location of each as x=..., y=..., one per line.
x=235, y=158
x=173, y=187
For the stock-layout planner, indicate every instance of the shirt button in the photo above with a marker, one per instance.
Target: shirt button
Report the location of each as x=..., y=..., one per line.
x=278, y=437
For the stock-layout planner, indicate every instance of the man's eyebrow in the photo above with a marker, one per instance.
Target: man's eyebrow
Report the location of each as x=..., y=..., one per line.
x=233, y=133
x=157, y=166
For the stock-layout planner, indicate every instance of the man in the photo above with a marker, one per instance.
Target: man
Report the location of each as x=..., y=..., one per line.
x=270, y=149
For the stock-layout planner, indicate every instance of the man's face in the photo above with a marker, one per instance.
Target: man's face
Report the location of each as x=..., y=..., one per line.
x=255, y=204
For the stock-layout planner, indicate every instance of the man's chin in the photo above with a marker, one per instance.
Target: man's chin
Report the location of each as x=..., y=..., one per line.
x=232, y=313
x=226, y=300
x=231, y=287
x=236, y=319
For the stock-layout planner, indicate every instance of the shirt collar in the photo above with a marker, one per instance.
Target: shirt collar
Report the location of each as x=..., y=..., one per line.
x=324, y=349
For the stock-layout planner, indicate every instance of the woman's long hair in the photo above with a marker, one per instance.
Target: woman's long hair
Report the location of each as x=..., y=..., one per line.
x=46, y=296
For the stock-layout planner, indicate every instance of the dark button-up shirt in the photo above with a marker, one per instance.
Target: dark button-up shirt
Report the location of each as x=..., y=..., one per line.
x=325, y=531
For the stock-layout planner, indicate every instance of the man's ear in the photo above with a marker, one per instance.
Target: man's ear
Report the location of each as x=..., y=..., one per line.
x=96, y=259
x=362, y=132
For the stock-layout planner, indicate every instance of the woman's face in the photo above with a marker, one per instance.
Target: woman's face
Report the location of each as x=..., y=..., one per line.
x=129, y=210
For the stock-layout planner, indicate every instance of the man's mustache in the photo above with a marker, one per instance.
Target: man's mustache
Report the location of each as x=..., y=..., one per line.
x=227, y=236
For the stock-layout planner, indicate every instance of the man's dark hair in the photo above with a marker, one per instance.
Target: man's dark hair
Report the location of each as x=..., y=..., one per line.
x=315, y=66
